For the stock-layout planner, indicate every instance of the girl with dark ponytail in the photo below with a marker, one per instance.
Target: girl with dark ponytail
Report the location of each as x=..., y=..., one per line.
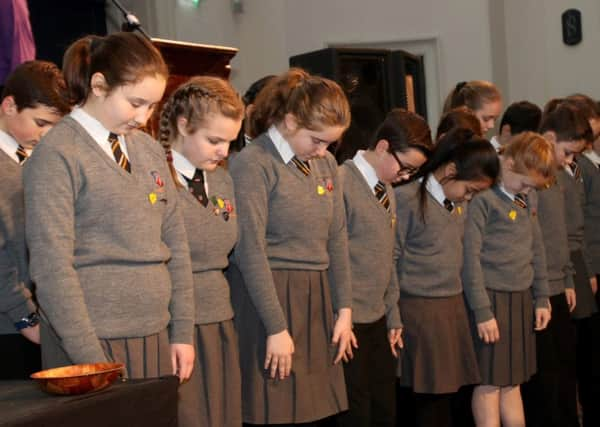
x=108, y=246
x=438, y=357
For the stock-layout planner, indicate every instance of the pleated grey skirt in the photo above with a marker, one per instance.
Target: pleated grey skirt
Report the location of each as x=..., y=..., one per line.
x=213, y=395
x=438, y=355
x=143, y=357
x=316, y=388
x=512, y=360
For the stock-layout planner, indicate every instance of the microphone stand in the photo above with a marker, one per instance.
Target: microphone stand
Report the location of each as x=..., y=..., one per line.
x=131, y=22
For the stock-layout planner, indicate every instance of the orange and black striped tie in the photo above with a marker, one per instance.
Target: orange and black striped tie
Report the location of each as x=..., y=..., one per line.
x=521, y=200
x=382, y=195
x=120, y=157
x=22, y=155
x=302, y=165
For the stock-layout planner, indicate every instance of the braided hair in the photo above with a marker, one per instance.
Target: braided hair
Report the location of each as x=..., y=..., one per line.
x=194, y=101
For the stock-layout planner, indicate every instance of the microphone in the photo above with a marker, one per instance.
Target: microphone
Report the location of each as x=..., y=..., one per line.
x=132, y=23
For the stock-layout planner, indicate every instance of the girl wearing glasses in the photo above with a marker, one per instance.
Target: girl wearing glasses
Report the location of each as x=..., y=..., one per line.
x=506, y=281
x=438, y=356
x=290, y=274
x=399, y=147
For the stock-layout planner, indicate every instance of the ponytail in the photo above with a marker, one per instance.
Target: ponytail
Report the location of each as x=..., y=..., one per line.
x=314, y=101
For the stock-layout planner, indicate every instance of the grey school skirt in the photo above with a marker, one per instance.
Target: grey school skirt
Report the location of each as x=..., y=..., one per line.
x=212, y=396
x=315, y=389
x=438, y=355
x=512, y=360
x=143, y=357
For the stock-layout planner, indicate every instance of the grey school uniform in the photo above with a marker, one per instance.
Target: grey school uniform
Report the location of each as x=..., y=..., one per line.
x=290, y=272
x=212, y=396
x=371, y=374
x=19, y=358
x=109, y=252
x=15, y=283
x=504, y=264
x=438, y=355
x=591, y=181
x=574, y=205
x=371, y=243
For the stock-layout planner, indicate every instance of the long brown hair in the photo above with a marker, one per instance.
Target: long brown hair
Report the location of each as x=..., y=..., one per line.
x=472, y=94
x=314, y=101
x=122, y=58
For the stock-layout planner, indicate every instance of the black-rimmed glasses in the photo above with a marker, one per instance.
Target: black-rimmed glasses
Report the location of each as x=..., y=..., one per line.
x=404, y=170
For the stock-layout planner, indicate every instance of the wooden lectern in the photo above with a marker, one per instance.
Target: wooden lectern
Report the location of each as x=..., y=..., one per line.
x=190, y=59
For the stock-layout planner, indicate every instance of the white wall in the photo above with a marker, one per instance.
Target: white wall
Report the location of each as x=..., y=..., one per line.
x=516, y=43
x=540, y=65
x=268, y=32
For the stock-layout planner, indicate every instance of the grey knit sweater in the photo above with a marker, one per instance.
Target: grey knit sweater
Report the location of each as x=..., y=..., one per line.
x=552, y=217
x=371, y=245
x=211, y=238
x=288, y=221
x=503, y=250
x=15, y=283
x=108, y=249
x=591, y=181
x=428, y=253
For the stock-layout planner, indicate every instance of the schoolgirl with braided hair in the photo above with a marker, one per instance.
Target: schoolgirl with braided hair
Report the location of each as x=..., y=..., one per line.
x=197, y=124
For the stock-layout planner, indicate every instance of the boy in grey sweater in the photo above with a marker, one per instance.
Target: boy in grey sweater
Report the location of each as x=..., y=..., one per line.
x=550, y=397
x=33, y=99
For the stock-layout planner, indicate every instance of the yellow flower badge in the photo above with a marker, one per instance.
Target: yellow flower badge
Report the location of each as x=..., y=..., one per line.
x=221, y=203
x=512, y=214
x=152, y=197
x=320, y=190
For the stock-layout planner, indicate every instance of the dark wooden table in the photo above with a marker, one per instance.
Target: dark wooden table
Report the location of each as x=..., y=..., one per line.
x=127, y=403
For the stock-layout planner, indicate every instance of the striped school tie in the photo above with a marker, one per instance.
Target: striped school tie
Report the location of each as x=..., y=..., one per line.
x=521, y=200
x=120, y=157
x=448, y=205
x=22, y=154
x=575, y=170
x=382, y=195
x=302, y=165
x=196, y=187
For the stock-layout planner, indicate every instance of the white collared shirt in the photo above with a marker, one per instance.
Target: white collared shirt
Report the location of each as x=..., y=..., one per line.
x=9, y=146
x=496, y=143
x=185, y=169
x=97, y=131
x=510, y=195
x=366, y=169
x=593, y=156
x=435, y=189
x=282, y=146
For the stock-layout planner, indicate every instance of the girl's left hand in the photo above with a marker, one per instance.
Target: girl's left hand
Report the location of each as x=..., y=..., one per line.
x=571, y=299
x=594, y=284
x=395, y=339
x=182, y=360
x=343, y=337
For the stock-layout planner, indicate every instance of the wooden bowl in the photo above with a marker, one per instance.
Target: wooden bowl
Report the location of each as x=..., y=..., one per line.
x=78, y=379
